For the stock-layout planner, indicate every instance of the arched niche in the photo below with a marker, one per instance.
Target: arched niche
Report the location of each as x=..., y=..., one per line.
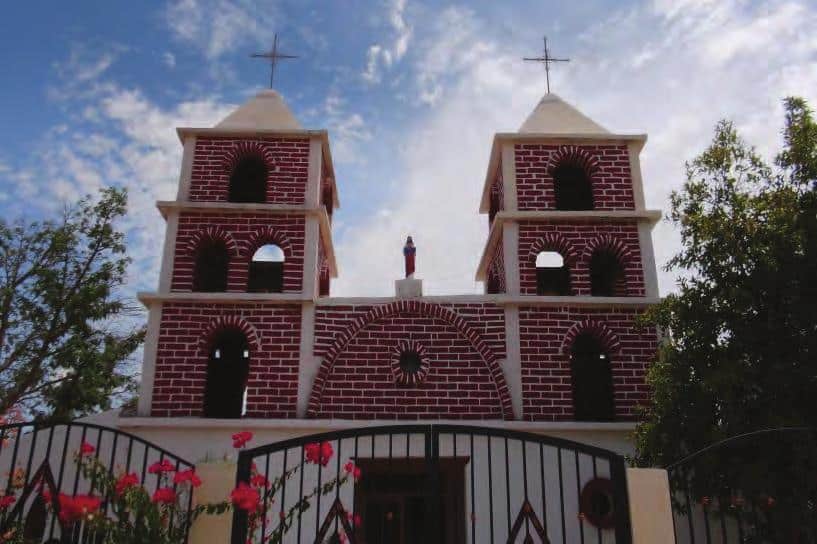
x=228, y=367
x=572, y=186
x=592, y=379
x=606, y=274
x=266, y=274
x=552, y=274
x=212, y=262
x=248, y=180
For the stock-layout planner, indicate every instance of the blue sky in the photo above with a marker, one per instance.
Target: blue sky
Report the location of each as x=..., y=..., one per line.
x=411, y=92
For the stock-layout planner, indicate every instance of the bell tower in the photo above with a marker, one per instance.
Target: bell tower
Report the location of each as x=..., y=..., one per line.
x=248, y=251
x=569, y=243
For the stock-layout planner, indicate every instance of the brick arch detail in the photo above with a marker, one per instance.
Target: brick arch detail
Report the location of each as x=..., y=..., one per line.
x=606, y=242
x=410, y=306
x=212, y=233
x=597, y=329
x=574, y=155
x=247, y=149
x=228, y=322
x=266, y=235
x=553, y=241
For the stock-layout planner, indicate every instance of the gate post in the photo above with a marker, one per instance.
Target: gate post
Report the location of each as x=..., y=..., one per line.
x=218, y=479
x=650, y=505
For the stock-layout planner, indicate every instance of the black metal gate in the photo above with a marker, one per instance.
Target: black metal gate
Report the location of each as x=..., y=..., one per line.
x=434, y=484
x=41, y=460
x=755, y=488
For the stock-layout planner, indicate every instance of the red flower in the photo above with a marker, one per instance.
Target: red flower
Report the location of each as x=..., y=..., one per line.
x=259, y=480
x=6, y=501
x=161, y=466
x=187, y=476
x=126, y=481
x=245, y=497
x=319, y=453
x=353, y=470
x=86, y=449
x=77, y=507
x=164, y=495
x=240, y=439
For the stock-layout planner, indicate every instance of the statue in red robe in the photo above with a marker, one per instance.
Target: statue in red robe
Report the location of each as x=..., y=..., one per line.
x=409, y=251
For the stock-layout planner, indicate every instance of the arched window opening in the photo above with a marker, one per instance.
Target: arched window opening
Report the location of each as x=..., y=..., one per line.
x=212, y=264
x=552, y=274
x=248, y=181
x=228, y=367
x=592, y=380
x=267, y=270
x=606, y=275
x=572, y=187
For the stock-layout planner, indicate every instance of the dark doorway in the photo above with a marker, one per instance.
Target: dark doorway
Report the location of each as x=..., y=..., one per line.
x=266, y=270
x=211, y=267
x=572, y=188
x=248, y=181
x=606, y=275
x=592, y=380
x=552, y=275
x=393, y=501
x=227, y=370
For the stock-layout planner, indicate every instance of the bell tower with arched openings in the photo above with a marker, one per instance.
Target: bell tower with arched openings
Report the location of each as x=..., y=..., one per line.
x=248, y=252
x=569, y=254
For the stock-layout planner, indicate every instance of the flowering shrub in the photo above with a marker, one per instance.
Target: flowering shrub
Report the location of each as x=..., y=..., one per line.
x=253, y=496
x=133, y=515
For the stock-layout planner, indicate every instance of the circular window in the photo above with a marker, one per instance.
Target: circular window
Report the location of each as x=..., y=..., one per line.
x=597, y=503
x=409, y=364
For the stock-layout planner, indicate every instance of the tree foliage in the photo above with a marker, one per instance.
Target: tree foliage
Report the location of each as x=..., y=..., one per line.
x=63, y=349
x=740, y=347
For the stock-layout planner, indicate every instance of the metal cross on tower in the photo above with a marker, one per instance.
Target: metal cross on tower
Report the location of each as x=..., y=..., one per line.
x=273, y=55
x=546, y=59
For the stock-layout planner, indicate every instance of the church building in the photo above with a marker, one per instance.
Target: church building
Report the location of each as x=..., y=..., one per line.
x=245, y=334
x=243, y=324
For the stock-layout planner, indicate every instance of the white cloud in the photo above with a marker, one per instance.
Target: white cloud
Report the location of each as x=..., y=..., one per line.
x=131, y=143
x=81, y=73
x=220, y=26
x=439, y=168
x=169, y=59
x=378, y=55
x=348, y=130
x=671, y=71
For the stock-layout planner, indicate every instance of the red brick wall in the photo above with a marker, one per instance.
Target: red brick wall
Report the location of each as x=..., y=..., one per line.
x=546, y=375
x=287, y=158
x=580, y=237
x=612, y=184
x=460, y=384
x=181, y=361
x=244, y=230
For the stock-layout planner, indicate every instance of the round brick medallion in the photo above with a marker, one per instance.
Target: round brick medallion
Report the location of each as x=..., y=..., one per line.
x=409, y=363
